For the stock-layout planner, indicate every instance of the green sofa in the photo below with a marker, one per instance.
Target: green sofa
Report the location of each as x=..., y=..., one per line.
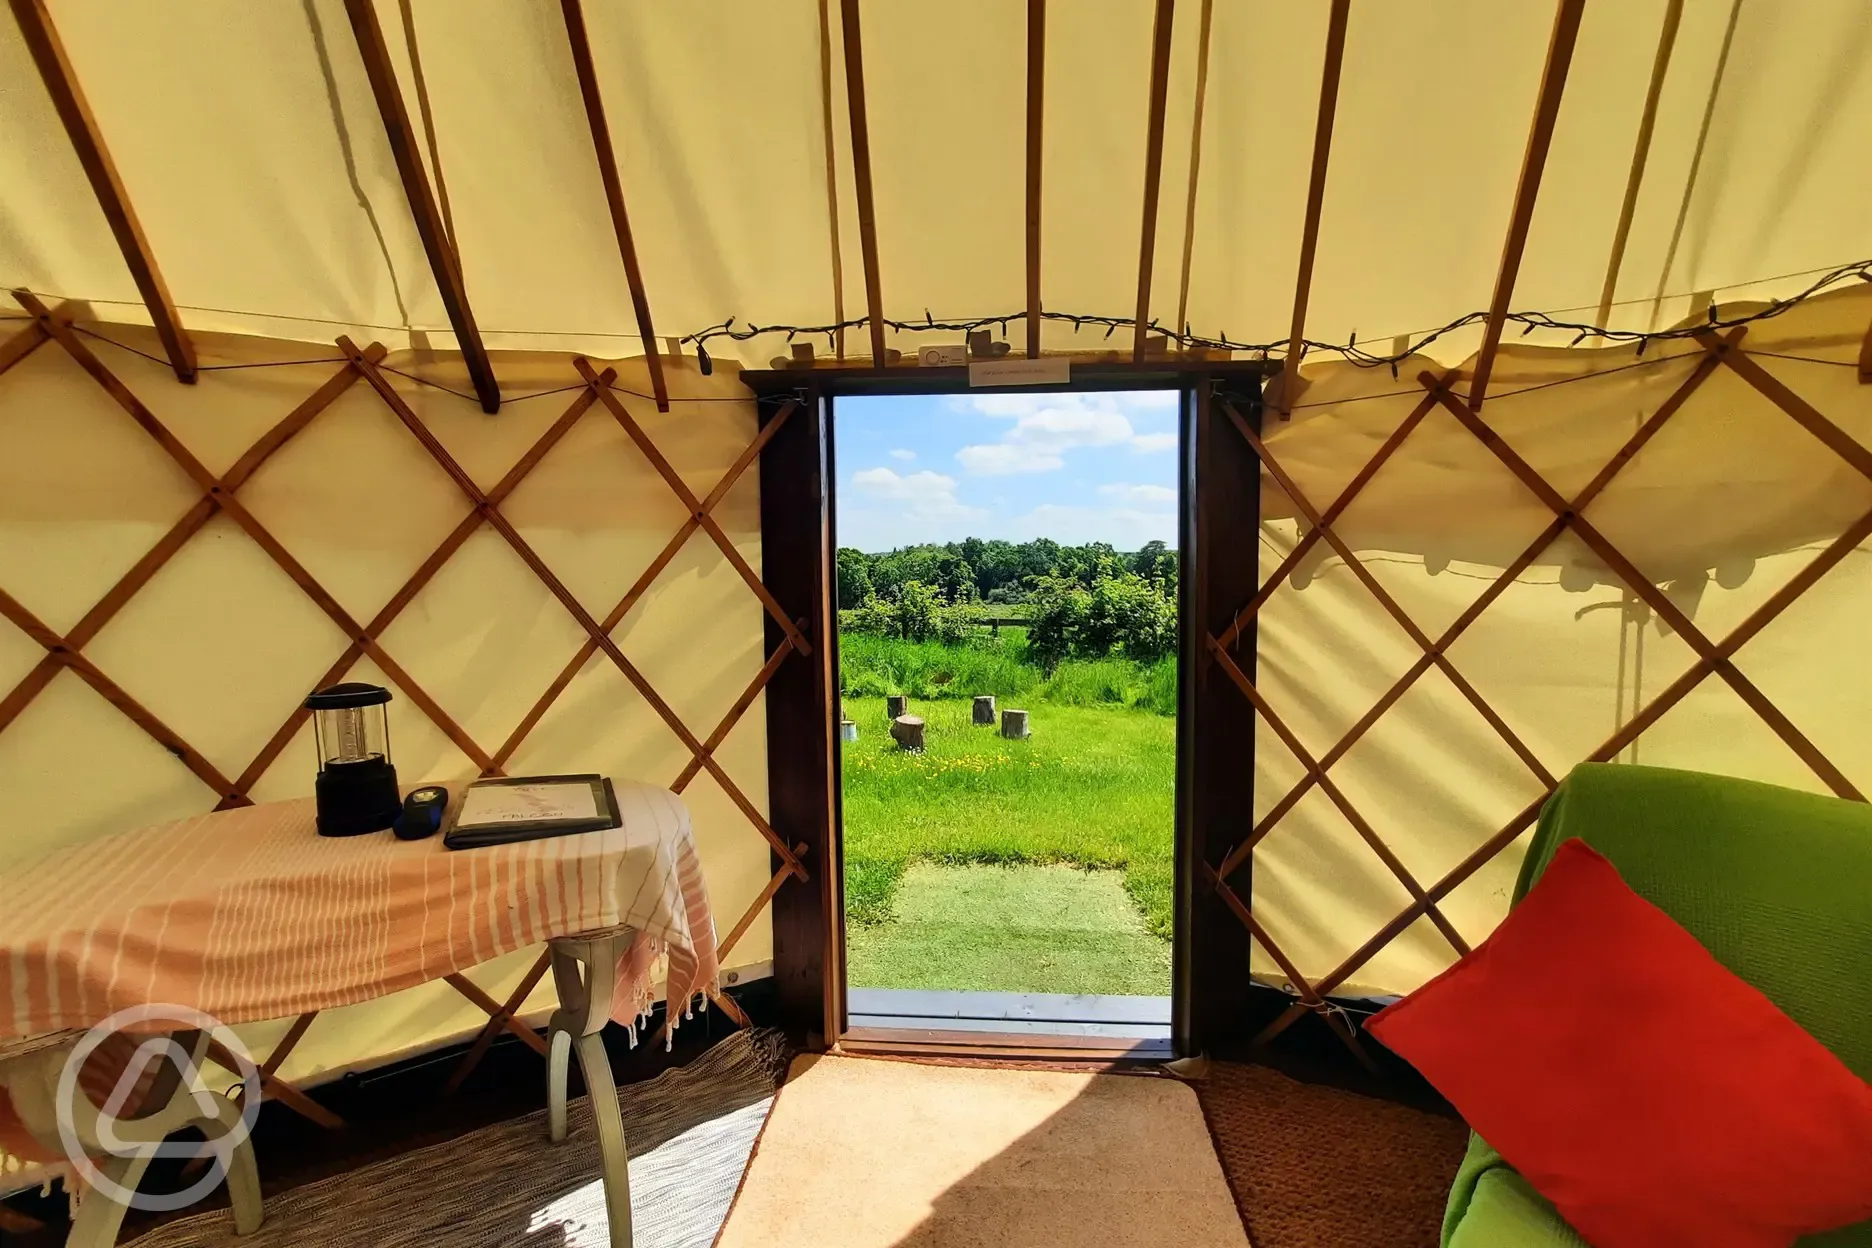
x=1776, y=884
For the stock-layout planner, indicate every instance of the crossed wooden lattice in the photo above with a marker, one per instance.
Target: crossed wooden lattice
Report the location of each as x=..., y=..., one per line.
x=219, y=496
x=1712, y=657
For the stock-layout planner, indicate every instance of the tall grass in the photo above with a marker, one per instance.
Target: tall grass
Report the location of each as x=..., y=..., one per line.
x=872, y=666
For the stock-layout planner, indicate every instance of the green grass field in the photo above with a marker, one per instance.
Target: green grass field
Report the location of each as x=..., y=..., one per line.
x=1093, y=788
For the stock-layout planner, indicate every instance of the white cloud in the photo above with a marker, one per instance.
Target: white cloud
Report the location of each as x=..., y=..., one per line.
x=1154, y=442
x=917, y=495
x=901, y=454
x=1000, y=459
x=1045, y=428
x=885, y=509
x=1141, y=495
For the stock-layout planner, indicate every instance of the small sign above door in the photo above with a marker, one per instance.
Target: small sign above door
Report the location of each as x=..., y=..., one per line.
x=1053, y=371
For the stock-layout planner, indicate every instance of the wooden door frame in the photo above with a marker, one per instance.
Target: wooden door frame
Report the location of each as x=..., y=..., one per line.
x=1218, y=567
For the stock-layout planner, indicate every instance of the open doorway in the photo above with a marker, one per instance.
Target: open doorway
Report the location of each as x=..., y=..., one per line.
x=1007, y=583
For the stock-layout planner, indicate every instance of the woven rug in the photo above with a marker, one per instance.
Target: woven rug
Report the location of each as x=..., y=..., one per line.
x=1318, y=1167
x=883, y=1154
x=690, y=1132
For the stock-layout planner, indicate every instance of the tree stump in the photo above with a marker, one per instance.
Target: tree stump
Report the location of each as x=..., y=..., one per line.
x=848, y=730
x=895, y=704
x=907, y=732
x=1014, y=725
x=984, y=710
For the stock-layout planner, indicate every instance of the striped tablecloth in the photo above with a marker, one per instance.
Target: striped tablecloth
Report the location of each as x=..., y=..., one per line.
x=248, y=914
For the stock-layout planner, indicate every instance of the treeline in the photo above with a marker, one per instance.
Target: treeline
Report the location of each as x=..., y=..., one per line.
x=1085, y=602
x=995, y=572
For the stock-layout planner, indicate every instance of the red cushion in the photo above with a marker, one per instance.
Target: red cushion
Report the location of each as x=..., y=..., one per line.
x=1655, y=1097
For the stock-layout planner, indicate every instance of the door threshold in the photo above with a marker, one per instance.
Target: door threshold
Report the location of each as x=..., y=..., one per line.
x=941, y=1042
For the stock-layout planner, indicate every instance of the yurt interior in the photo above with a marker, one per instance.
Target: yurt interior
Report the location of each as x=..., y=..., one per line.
x=465, y=772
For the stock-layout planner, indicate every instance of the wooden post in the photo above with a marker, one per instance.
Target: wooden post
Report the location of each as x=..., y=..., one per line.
x=68, y=99
x=1195, y=165
x=861, y=178
x=1036, y=132
x=895, y=705
x=438, y=246
x=574, y=14
x=1289, y=381
x=984, y=710
x=797, y=567
x=1540, y=136
x=1153, y=169
x=907, y=732
x=1221, y=569
x=1014, y=725
x=1641, y=152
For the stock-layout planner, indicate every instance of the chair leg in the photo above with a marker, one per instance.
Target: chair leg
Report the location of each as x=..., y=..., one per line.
x=243, y=1169
x=99, y=1217
x=614, y=1158
x=558, y=1060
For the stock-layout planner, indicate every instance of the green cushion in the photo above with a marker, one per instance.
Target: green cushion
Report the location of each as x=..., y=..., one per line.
x=1777, y=885
x=1498, y=1207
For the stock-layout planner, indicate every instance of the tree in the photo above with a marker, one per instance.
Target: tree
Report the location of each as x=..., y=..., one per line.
x=1129, y=614
x=975, y=570
x=854, y=578
x=874, y=615
x=1039, y=558
x=915, y=611
x=954, y=578
x=1120, y=614
x=1154, y=561
x=998, y=569
x=1059, y=611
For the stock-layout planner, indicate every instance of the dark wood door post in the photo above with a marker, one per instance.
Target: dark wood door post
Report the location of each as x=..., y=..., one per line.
x=1216, y=725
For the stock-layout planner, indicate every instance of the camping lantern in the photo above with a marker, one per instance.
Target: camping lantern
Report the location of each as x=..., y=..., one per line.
x=357, y=786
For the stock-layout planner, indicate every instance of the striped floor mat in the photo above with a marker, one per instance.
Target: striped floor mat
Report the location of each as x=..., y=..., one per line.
x=690, y=1132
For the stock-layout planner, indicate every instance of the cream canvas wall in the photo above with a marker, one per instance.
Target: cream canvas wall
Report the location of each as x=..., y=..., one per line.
x=1728, y=502
x=221, y=644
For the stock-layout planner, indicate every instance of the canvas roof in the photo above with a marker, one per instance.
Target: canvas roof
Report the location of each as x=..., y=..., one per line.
x=248, y=140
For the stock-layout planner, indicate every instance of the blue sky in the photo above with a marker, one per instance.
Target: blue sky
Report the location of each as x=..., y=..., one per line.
x=1072, y=467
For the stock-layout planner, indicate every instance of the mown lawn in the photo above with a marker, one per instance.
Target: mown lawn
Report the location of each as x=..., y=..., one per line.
x=1093, y=788
x=1010, y=929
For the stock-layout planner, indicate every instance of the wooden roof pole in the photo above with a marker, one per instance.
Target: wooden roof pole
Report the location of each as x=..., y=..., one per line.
x=1641, y=153
x=1195, y=161
x=1153, y=166
x=87, y=140
x=831, y=177
x=614, y=191
x=1036, y=133
x=1533, y=162
x=861, y=175
x=1316, y=198
x=1696, y=161
x=443, y=262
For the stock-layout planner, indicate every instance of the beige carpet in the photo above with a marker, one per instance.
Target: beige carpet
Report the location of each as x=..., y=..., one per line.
x=884, y=1154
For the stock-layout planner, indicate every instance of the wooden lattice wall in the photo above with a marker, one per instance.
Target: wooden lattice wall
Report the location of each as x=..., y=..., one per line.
x=615, y=608
x=1763, y=394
